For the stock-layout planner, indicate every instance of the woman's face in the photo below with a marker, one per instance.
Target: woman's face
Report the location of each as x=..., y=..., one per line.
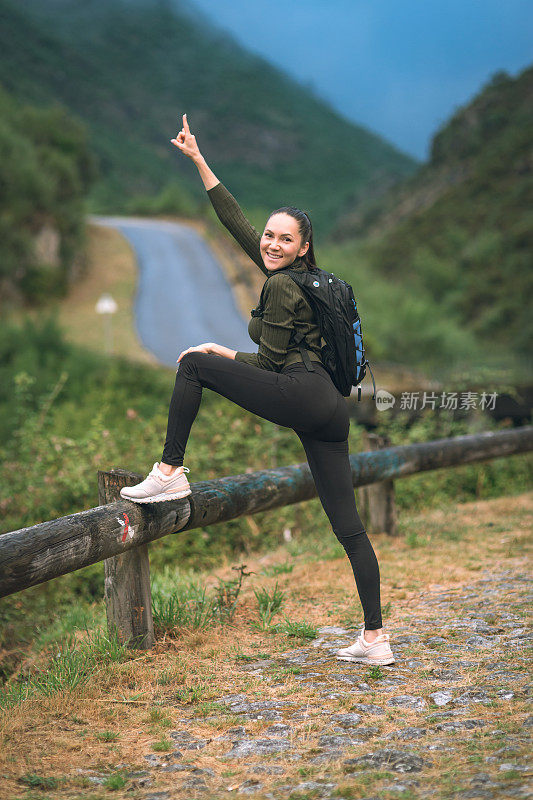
x=281, y=242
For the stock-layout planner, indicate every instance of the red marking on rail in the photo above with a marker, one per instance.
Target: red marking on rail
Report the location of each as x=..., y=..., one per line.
x=126, y=527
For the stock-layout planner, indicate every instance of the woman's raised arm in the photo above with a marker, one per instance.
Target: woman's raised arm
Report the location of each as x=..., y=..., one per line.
x=186, y=142
x=226, y=207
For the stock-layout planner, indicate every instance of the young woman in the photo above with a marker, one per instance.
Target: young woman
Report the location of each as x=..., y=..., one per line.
x=275, y=384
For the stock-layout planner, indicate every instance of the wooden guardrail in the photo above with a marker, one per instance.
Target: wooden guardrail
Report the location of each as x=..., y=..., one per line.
x=119, y=531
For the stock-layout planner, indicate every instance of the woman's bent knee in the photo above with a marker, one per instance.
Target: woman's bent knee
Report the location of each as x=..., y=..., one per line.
x=190, y=361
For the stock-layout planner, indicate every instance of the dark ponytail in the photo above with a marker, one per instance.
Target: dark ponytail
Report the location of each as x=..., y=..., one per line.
x=305, y=230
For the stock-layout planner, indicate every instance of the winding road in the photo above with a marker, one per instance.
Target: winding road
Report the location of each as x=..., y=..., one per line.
x=183, y=298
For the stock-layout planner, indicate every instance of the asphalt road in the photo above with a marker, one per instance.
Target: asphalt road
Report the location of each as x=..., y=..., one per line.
x=183, y=298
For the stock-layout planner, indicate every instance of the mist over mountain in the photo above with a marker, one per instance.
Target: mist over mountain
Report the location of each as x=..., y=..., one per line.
x=398, y=68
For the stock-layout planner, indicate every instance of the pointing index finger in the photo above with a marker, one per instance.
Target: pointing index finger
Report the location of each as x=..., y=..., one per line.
x=185, y=123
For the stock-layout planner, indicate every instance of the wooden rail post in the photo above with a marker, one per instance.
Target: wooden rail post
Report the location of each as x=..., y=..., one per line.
x=127, y=592
x=377, y=506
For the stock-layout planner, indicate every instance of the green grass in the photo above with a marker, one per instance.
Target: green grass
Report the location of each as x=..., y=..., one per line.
x=69, y=666
x=373, y=674
x=116, y=781
x=160, y=718
x=181, y=602
x=247, y=658
x=35, y=781
x=107, y=736
x=268, y=604
x=168, y=676
x=299, y=630
x=191, y=608
x=278, y=569
x=162, y=745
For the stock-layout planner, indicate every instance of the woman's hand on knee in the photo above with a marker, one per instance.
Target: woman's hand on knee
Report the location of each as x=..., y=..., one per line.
x=208, y=347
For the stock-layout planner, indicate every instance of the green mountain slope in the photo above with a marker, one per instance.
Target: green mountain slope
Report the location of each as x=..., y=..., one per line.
x=460, y=232
x=46, y=170
x=129, y=70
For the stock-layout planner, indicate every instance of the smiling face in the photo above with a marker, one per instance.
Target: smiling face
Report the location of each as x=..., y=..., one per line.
x=281, y=242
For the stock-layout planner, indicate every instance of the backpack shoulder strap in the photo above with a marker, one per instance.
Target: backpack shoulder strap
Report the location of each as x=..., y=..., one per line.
x=298, y=339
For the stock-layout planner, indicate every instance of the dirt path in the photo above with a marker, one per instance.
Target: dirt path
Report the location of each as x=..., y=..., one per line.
x=243, y=711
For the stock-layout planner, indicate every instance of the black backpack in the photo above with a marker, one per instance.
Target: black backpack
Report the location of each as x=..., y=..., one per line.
x=335, y=310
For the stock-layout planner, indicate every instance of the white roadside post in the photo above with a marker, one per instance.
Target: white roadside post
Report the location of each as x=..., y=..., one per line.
x=106, y=306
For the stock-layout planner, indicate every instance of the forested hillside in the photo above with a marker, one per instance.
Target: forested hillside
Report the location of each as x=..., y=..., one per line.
x=46, y=170
x=460, y=231
x=129, y=70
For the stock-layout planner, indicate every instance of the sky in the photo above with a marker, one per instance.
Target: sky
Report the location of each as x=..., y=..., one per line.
x=400, y=68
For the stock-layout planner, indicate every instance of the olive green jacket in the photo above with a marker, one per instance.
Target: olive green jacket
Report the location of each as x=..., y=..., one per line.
x=285, y=308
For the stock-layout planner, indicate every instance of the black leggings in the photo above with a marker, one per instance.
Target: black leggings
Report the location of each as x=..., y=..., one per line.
x=307, y=402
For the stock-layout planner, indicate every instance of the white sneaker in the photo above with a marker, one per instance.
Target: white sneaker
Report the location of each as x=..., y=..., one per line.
x=376, y=652
x=158, y=487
